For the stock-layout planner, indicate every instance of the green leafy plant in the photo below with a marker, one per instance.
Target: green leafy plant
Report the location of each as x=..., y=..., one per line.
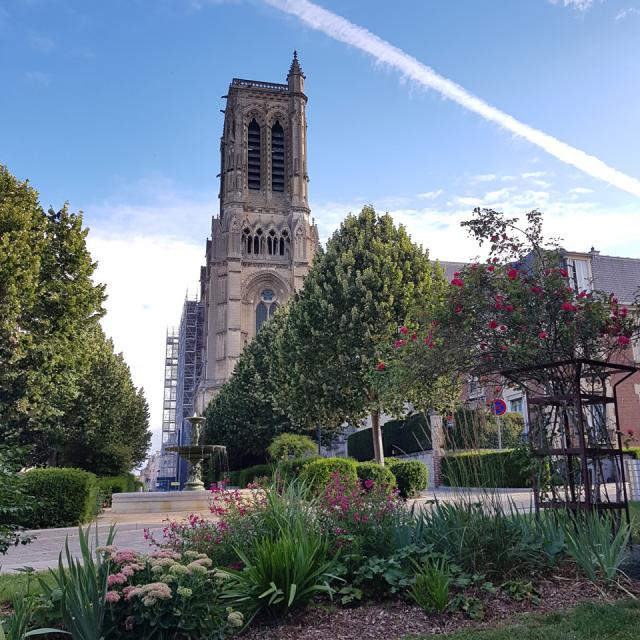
x=471, y=606
x=431, y=589
x=520, y=590
x=82, y=586
x=16, y=626
x=16, y=505
x=597, y=545
x=280, y=573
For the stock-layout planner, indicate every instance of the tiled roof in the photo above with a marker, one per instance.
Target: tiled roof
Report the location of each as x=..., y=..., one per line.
x=620, y=276
x=451, y=267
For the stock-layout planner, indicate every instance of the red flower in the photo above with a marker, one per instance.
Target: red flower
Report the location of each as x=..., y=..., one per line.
x=536, y=289
x=414, y=335
x=380, y=366
x=543, y=335
x=512, y=274
x=457, y=282
x=494, y=238
x=623, y=340
x=582, y=294
x=564, y=273
x=399, y=343
x=509, y=308
x=404, y=331
x=623, y=312
x=456, y=274
x=457, y=308
x=567, y=306
x=498, y=306
x=503, y=347
x=491, y=268
x=492, y=324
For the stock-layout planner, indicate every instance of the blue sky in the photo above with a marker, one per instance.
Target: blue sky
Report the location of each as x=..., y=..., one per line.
x=115, y=107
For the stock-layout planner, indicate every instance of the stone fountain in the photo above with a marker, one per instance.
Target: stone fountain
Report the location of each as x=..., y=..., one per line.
x=195, y=454
x=194, y=498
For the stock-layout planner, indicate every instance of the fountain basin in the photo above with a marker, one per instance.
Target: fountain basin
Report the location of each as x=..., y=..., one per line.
x=168, y=502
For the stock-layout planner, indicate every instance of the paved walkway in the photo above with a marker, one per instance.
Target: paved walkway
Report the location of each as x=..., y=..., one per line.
x=43, y=552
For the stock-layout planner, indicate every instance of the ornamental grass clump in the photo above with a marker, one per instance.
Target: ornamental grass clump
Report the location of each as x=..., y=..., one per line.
x=281, y=573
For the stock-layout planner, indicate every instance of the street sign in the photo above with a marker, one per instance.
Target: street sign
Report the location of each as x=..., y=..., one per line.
x=499, y=407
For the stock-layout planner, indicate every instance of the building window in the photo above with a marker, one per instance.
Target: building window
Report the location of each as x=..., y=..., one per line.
x=579, y=274
x=277, y=157
x=515, y=405
x=253, y=156
x=266, y=308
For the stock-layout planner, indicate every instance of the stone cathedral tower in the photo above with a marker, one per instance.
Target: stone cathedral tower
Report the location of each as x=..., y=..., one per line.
x=262, y=243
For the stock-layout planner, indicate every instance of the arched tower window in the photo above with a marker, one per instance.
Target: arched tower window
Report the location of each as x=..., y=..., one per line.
x=284, y=243
x=253, y=156
x=266, y=308
x=277, y=157
x=247, y=241
x=272, y=243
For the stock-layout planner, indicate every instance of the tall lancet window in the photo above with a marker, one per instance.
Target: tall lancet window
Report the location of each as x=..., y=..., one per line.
x=253, y=156
x=277, y=157
x=266, y=307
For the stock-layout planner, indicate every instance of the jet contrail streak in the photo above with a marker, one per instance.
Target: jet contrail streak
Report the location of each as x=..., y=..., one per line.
x=340, y=29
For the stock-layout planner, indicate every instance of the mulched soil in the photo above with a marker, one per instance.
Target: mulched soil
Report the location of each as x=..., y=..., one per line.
x=394, y=620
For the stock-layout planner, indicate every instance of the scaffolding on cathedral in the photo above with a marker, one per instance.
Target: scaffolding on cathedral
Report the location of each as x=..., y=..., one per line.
x=168, y=461
x=190, y=349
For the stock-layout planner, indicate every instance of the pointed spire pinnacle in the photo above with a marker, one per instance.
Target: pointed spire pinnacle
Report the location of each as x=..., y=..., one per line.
x=295, y=68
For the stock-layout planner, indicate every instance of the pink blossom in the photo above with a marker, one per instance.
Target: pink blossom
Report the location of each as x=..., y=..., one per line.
x=492, y=324
x=491, y=268
x=542, y=335
x=404, y=331
x=623, y=340
x=457, y=282
x=112, y=596
x=116, y=578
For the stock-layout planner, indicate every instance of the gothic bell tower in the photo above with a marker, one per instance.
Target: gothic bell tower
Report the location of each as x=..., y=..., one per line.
x=262, y=242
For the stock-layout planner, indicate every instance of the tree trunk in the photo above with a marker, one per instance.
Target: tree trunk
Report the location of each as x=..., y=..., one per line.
x=376, y=432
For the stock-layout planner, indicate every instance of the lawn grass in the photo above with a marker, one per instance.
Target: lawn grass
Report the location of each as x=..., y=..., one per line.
x=617, y=621
x=17, y=584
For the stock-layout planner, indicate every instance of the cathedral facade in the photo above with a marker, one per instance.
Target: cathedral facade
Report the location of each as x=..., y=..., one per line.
x=263, y=241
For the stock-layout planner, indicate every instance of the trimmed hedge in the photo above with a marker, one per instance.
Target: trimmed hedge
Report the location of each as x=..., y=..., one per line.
x=376, y=472
x=398, y=436
x=411, y=476
x=245, y=476
x=508, y=468
x=318, y=473
x=64, y=497
x=292, y=468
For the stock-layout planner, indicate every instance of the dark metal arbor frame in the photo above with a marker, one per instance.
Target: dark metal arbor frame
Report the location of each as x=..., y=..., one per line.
x=574, y=434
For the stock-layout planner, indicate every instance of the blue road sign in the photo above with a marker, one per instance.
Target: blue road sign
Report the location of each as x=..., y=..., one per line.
x=499, y=407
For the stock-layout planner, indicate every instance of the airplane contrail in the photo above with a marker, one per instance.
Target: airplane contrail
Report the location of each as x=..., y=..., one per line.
x=341, y=29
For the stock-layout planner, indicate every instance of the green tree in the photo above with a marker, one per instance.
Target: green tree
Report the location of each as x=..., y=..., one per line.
x=108, y=422
x=291, y=445
x=46, y=324
x=243, y=416
x=370, y=281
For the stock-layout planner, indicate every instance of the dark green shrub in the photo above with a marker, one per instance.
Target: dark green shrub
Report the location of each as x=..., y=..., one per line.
x=290, y=469
x=381, y=476
x=288, y=445
x=398, y=437
x=411, y=476
x=508, y=468
x=318, y=473
x=245, y=476
x=64, y=497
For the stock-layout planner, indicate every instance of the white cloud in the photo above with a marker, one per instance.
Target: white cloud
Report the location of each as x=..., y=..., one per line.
x=430, y=195
x=41, y=43
x=580, y=190
x=627, y=12
x=579, y=5
x=38, y=78
x=533, y=174
x=147, y=278
x=342, y=30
